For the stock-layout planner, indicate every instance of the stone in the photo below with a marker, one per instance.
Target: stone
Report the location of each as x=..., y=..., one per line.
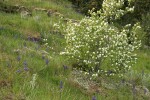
x=33, y=36
x=40, y=9
x=143, y=90
x=25, y=14
x=50, y=12
x=58, y=14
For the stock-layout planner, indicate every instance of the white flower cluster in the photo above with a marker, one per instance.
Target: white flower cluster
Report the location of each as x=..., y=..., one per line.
x=112, y=8
x=93, y=41
x=33, y=81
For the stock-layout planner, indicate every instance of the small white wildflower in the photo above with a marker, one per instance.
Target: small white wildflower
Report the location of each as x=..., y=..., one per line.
x=33, y=81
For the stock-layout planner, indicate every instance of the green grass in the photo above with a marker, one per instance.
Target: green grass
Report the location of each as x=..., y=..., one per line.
x=15, y=82
x=49, y=76
x=143, y=62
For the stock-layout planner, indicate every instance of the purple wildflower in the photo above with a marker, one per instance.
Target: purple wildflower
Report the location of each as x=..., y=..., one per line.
x=34, y=40
x=26, y=68
x=65, y=67
x=94, y=98
x=46, y=61
x=18, y=58
x=61, y=84
x=146, y=91
x=134, y=89
x=25, y=63
x=28, y=38
x=18, y=71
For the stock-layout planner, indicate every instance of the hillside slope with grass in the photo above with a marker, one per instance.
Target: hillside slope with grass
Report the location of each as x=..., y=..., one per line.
x=31, y=67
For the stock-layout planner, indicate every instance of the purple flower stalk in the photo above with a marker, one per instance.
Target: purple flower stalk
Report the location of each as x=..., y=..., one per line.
x=28, y=38
x=65, y=67
x=46, y=61
x=18, y=71
x=25, y=63
x=18, y=58
x=61, y=84
x=26, y=68
x=94, y=98
x=33, y=39
x=134, y=89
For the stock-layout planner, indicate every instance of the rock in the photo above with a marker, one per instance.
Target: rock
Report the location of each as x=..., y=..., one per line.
x=93, y=88
x=34, y=39
x=8, y=8
x=109, y=85
x=66, y=19
x=22, y=8
x=50, y=12
x=5, y=83
x=37, y=18
x=146, y=91
x=25, y=14
x=40, y=9
x=44, y=52
x=15, y=9
x=58, y=14
x=85, y=83
x=72, y=20
x=33, y=36
x=142, y=90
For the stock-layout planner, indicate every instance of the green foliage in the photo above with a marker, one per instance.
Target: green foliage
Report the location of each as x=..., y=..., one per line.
x=84, y=5
x=141, y=8
x=146, y=27
x=15, y=49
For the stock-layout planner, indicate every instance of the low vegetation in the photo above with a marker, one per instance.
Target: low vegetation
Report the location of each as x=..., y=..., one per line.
x=31, y=67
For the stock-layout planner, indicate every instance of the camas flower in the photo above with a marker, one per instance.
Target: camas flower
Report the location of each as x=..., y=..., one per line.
x=94, y=98
x=61, y=85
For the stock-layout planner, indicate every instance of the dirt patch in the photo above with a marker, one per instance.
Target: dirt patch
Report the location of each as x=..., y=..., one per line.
x=5, y=83
x=12, y=8
x=33, y=36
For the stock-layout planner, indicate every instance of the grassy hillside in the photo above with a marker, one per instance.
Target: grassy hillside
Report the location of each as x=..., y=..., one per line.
x=32, y=69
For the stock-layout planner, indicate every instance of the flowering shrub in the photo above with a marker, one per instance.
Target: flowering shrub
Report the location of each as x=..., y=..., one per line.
x=97, y=45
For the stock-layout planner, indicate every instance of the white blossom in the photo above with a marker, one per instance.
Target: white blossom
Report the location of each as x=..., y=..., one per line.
x=94, y=40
